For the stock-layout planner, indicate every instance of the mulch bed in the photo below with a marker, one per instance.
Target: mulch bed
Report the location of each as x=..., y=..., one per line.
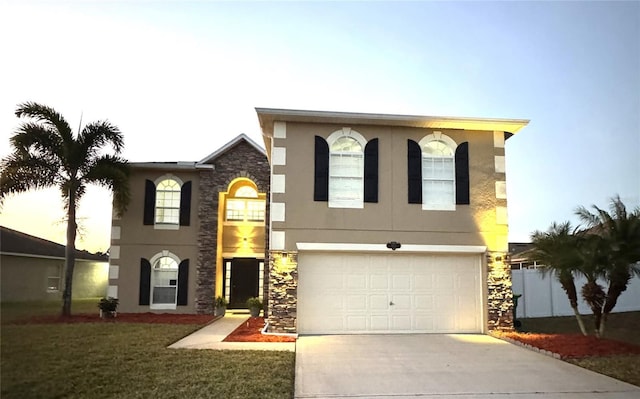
x=251, y=332
x=152, y=318
x=572, y=346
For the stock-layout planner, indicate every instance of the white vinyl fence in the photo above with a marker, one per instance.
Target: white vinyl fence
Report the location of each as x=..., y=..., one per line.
x=543, y=297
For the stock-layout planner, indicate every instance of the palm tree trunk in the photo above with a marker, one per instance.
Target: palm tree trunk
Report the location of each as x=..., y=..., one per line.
x=70, y=254
x=569, y=286
x=583, y=329
x=594, y=296
x=603, y=322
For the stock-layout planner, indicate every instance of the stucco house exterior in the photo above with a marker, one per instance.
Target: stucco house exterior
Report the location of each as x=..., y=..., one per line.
x=193, y=231
x=32, y=269
x=343, y=223
x=387, y=223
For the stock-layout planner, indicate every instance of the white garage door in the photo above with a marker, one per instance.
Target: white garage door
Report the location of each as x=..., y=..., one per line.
x=382, y=293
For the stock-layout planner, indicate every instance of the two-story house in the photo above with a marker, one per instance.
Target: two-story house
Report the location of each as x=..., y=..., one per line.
x=193, y=231
x=387, y=223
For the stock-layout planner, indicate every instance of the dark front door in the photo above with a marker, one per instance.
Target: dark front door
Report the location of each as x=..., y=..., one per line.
x=244, y=281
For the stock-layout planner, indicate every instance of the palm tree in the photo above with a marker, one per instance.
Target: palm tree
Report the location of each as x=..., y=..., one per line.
x=619, y=231
x=556, y=249
x=46, y=153
x=591, y=250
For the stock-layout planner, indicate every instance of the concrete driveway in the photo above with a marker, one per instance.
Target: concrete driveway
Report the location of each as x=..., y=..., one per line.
x=440, y=366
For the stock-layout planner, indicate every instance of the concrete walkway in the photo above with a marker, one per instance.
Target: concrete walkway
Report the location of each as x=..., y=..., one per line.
x=211, y=336
x=440, y=367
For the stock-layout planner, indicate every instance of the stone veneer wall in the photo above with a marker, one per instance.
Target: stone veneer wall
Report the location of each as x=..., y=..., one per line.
x=499, y=294
x=207, y=239
x=283, y=293
x=242, y=160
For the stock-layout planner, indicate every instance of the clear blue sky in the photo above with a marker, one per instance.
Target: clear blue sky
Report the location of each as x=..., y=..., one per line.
x=181, y=80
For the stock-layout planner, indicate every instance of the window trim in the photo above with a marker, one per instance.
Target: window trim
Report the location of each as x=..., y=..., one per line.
x=152, y=261
x=438, y=136
x=167, y=226
x=333, y=137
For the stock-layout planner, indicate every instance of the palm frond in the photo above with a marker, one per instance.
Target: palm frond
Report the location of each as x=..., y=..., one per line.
x=112, y=172
x=98, y=134
x=19, y=173
x=46, y=115
x=33, y=138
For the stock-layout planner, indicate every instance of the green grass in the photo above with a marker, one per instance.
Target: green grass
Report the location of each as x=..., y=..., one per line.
x=620, y=326
x=12, y=311
x=119, y=360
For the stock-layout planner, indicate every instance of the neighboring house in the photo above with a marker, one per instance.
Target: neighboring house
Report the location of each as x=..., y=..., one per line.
x=387, y=223
x=32, y=268
x=193, y=231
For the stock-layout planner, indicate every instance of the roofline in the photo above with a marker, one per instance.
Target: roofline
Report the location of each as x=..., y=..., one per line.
x=226, y=147
x=25, y=255
x=267, y=116
x=169, y=165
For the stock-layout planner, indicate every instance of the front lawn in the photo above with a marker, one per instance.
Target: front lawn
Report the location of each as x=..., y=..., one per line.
x=12, y=311
x=620, y=326
x=130, y=360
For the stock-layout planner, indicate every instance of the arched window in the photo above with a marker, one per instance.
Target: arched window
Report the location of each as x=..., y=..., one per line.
x=243, y=202
x=438, y=172
x=164, y=281
x=168, y=202
x=346, y=169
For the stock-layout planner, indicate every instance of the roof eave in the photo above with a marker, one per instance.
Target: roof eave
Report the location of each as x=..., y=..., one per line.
x=267, y=116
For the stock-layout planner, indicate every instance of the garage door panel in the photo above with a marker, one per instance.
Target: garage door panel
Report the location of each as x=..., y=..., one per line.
x=379, y=322
x=379, y=281
x=424, y=302
x=350, y=293
x=401, y=302
x=356, y=303
x=379, y=302
x=356, y=323
x=356, y=281
x=400, y=281
x=423, y=281
x=423, y=323
x=401, y=322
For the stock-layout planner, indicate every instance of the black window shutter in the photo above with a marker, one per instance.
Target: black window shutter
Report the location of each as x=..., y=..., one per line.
x=145, y=282
x=462, y=174
x=149, y=202
x=371, y=171
x=185, y=204
x=321, y=183
x=183, y=282
x=414, y=172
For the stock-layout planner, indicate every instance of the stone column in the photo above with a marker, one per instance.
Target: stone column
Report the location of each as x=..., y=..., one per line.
x=283, y=291
x=499, y=295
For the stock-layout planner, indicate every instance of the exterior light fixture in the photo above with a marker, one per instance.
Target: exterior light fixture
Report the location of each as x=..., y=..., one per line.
x=393, y=245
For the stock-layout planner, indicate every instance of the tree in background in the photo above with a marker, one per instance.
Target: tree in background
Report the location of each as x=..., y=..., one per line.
x=618, y=235
x=46, y=153
x=557, y=250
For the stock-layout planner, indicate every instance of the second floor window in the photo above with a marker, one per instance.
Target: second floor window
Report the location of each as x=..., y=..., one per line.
x=346, y=173
x=438, y=175
x=168, y=202
x=438, y=172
